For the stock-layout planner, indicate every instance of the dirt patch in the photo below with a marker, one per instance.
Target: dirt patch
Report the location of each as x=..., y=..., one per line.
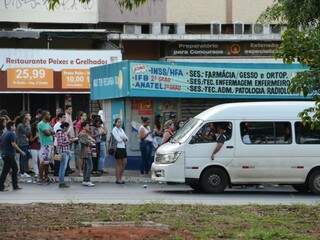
x=102, y=233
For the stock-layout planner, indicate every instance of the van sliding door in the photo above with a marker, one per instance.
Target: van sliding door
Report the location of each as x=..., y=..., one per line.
x=263, y=152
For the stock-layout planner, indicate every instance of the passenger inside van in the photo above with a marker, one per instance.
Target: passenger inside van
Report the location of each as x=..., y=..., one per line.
x=210, y=133
x=246, y=137
x=221, y=138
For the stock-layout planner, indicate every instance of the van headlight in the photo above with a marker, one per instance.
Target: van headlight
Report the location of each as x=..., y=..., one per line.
x=168, y=158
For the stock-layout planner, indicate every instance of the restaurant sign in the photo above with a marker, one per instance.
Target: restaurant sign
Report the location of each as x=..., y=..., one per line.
x=51, y=70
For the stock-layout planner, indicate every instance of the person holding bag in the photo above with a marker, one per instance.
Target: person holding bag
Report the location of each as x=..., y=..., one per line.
x=63, y=149
x=146, y=145
x=120, y=153
x=87, y=142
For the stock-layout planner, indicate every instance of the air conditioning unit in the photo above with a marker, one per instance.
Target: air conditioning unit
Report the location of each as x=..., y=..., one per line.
x=258, y=29
x=132, y=29
x=215, y=28
x=275, y=29
x=238, y=28
x=247, y=28
x=168, y=29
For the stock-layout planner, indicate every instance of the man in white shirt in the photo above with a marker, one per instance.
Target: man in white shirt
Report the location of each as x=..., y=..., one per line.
x=68, y=112
x=61, y=119
x=146, y=146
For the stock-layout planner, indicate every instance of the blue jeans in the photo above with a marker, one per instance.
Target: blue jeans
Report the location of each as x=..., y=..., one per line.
x=24, y=160
x=146, y=155
x=87, y=169
x=65, y=157
x=102, y=156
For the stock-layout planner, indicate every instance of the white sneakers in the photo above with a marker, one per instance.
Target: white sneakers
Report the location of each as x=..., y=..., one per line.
x=25, y=175
x=88, y=184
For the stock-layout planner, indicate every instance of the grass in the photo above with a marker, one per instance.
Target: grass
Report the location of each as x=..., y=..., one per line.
x=204, y=222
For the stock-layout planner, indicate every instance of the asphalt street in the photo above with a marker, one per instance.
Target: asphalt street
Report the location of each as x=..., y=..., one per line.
x=135, y=193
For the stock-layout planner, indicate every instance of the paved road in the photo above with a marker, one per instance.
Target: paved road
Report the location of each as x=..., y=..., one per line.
x=131, y=193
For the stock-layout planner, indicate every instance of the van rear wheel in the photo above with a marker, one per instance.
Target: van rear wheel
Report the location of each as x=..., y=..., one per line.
x=214, y=180
x=302, y=188
x=314, y=182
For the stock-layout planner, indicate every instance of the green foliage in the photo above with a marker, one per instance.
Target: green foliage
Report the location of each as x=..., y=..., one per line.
x=130, y=4
x=123, y=4
x=300, y=42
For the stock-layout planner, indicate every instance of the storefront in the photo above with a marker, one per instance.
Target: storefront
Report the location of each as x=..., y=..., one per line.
x=48, y=79
x=132, y=89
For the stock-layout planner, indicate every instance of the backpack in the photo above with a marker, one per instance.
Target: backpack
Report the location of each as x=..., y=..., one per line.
x=112, y=145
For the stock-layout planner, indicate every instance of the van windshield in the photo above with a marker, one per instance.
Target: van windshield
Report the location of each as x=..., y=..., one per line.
x=184, y=133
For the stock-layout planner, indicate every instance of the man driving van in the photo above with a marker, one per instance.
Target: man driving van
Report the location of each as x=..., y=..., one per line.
x=221, y=138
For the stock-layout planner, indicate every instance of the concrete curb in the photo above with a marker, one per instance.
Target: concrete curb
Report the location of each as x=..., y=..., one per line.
x=101, y=179
x=111, y=179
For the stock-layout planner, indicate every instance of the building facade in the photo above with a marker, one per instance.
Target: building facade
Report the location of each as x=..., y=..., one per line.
x=173, y=30
x=202, y=31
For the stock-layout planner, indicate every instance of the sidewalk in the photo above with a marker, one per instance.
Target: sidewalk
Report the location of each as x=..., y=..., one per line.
x=130, y=176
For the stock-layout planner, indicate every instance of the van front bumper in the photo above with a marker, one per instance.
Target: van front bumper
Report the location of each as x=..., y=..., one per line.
x=167, y=173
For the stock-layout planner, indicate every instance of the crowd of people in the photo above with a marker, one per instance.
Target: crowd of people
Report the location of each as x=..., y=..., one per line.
x=32, y=147
x=45, y=143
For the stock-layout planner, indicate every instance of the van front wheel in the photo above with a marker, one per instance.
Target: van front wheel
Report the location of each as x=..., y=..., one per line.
x=214, y=180
x=314, y=182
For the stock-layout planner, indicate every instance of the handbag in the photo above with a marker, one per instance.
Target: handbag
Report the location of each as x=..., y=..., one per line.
x=57, y=157
x=112, y=145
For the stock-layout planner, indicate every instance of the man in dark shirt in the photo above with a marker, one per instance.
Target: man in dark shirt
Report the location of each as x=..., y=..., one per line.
x=221, y=138
x=9, y=148
x=23, y=133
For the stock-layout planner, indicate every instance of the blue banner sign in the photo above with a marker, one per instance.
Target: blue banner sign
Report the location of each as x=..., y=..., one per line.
x=210, y=80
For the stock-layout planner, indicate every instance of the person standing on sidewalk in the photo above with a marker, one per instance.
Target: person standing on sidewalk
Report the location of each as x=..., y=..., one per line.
x=121, y=152
x=168, y=132
x=55, y=119
x=35, y=148
x=63, y=149
x=103, y=147
x=46, y=134
x=23, y=133
x=61, y=118
x=97, y=137
x=146, y=145
x=8, y=151
x=71, y=134
x=37, y=118
x=86, y=142
x=3, y=123
x=82, y=117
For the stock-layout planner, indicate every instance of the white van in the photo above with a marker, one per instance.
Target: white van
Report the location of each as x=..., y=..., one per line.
x=263, y=142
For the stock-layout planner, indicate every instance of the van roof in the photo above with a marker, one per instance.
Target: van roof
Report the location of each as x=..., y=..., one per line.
x=256, y=110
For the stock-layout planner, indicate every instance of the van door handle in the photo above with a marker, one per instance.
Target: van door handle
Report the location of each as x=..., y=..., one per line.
x=229, y=147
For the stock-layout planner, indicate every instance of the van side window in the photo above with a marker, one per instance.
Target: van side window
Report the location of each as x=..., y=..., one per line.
x=304, y=135
x=283, y=133
x=266, y=132
x=208, y=132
